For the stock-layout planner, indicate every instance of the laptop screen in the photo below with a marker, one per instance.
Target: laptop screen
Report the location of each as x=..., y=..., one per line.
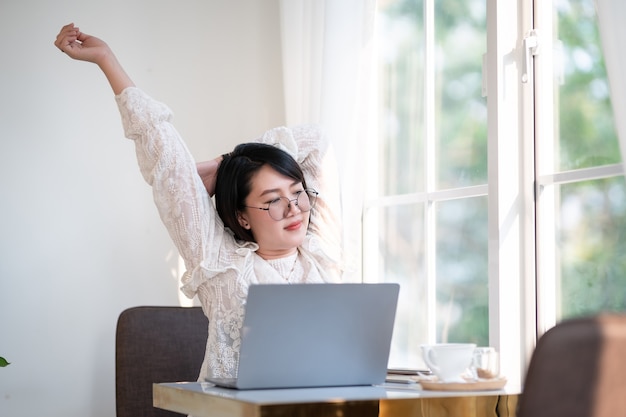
x=307, y=335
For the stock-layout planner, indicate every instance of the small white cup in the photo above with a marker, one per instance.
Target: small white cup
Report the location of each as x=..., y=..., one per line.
x=448, y=361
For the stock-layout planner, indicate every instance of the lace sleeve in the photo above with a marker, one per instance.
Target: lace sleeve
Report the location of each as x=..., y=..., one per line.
x=167, y=165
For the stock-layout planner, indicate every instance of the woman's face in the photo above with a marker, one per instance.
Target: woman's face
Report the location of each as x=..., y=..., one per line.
x=276, y=238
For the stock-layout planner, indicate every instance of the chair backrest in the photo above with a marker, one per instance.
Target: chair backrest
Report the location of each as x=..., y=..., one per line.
x=578, y=369
x=156, y=344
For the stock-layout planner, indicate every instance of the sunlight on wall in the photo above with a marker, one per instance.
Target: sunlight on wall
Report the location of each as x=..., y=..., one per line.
x=177, y=272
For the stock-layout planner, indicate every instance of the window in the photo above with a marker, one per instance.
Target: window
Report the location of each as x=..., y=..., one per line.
x=426, y=219
x=497, y=189
x=581, y=203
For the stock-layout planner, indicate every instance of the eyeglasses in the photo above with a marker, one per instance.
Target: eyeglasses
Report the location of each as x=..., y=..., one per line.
x=279, y=208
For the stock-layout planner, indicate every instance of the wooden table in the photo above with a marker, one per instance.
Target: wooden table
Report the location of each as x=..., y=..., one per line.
x=389, y=400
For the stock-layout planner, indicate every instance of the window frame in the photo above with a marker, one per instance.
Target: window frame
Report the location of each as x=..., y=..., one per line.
x=548, y=178
x=511, y=248
x=518, y=82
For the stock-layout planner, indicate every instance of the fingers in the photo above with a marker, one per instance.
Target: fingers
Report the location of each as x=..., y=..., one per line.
x=66, y=38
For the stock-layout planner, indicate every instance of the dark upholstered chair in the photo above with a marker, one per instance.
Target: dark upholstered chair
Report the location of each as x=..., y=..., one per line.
x=578, y=369
x=156, y=344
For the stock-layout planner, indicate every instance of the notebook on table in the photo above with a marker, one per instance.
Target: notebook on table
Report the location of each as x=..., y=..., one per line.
x=315, y=335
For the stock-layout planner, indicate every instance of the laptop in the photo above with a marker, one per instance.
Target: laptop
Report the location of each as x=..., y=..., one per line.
x=315, y=335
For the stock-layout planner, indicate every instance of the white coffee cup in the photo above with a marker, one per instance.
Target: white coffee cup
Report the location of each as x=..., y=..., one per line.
x=448, y=361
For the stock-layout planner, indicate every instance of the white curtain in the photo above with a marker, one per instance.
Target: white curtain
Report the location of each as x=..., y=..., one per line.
x=327, y=50
x=612, y=22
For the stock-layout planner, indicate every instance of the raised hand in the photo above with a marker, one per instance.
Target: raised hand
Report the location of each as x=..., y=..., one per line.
x=83, y=47
x=79, y=45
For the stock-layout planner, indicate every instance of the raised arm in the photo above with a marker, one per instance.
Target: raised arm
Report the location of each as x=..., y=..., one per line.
x=83, y=47
x=163, y=158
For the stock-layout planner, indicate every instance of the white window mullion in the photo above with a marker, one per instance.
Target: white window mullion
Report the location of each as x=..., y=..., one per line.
x=546, y=139
x=507, y=215
x=528, y=266
x=430, y=166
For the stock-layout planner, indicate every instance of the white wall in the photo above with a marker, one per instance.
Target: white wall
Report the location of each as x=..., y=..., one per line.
x=80, y=239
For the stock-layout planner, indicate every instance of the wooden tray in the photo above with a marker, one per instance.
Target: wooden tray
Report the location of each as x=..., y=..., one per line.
x=470, y=385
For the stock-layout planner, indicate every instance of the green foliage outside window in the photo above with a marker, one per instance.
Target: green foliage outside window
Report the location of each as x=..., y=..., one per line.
x=590, y=229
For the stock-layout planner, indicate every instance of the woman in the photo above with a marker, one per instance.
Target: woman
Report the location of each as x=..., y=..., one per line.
x=266, y=225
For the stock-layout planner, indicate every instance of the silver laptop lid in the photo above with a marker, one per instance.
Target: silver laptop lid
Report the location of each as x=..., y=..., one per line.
x=313, y=335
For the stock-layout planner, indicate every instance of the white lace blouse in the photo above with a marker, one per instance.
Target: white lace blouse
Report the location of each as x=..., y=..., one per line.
x=220, y=269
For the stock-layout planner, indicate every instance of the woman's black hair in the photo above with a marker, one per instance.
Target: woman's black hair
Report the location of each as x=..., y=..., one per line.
x=234, y=180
